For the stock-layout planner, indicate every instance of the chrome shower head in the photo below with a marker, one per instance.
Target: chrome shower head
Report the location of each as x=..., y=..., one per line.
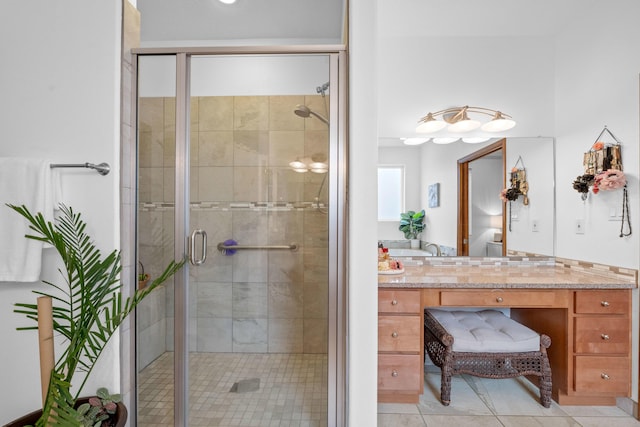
x=302, y=111
x=306, y=112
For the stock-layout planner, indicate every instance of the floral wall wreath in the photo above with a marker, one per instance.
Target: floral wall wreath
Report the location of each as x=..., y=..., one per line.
x=603, y=171
x=519, y=186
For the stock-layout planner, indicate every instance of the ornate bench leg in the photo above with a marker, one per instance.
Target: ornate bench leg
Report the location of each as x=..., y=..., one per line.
x=545, y=383
x=445, y=382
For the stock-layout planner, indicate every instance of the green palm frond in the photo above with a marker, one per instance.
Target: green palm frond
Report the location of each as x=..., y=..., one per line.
x=88, y=307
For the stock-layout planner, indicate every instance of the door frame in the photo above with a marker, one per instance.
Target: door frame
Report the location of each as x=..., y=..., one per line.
x=338, y=175
x=463, y=194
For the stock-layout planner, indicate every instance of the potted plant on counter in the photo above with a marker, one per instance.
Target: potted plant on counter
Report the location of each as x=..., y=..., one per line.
x=411, y=224
x=88, y=308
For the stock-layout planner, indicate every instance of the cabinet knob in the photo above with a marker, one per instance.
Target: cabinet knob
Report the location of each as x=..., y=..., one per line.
x=394, y=334
x=604, y=376
x=499, y=299
x=604, y=303
x=394, y=373
x=605, y=337
x=394, y=302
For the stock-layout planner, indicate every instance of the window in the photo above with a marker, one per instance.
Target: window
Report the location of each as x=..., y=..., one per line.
x=390, y=192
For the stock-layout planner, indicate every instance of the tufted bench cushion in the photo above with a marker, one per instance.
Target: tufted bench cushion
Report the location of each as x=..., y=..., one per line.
x=487, y=331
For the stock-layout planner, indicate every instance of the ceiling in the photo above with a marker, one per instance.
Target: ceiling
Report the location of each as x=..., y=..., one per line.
x=200, y=22
x=484, y=18
x=313, y=20
x=210, y=22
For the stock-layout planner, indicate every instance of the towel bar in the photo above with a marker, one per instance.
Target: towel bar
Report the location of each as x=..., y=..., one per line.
x=102, y=168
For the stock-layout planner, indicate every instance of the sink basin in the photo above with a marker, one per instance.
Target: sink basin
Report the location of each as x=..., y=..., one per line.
x=408, y=252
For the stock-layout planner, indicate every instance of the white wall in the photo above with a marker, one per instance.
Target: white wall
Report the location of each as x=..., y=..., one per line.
x=60, y=100
x=537, y=156
x=485, y=178
x=362, y=273
x=597, y=84
x=409, y=157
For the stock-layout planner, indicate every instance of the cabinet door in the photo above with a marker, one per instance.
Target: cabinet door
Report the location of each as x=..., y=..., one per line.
x=399, y=301
x=399, y=372
x=399, y=333
x=602, y=375
x=602, y=335
x=602, y=302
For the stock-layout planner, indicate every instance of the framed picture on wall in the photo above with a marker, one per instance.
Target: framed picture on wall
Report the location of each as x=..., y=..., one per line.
x=434, y=195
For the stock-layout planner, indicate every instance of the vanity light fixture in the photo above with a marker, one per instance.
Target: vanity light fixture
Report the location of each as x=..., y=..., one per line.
x=414, y=141
x=445, y=140
x=458, y=121
x=475, y=139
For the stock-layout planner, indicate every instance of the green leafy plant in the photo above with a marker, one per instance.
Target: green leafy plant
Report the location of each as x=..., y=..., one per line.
x=411, y=224
x=97, y=411
x=88, y=307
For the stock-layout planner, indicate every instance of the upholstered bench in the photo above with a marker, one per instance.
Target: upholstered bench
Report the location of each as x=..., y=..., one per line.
x=486, y=344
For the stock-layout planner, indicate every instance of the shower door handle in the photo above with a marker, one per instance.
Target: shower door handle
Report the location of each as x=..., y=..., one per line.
x=192, y=255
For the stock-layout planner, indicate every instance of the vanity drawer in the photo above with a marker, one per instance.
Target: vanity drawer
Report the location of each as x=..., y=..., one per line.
x=399, y=372
x=602, y=375
x=499, y=298
x=602, y=302
x=399, y=333
x=399, y=301
x=602, y=335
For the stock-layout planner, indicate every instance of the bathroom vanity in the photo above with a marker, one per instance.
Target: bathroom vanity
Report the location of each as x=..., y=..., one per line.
x=586, y=313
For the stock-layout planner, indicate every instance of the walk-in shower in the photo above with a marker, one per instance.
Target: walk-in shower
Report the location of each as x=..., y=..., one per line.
x=247, y=333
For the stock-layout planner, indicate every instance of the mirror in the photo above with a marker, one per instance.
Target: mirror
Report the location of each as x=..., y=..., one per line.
x=532, y=225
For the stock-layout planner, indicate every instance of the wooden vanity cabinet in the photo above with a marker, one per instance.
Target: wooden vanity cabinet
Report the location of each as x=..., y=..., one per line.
x=400, y=346
x=590, y=330
x=601, y=345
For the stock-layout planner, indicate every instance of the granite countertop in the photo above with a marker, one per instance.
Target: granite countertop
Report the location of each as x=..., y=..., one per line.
x=516, y=277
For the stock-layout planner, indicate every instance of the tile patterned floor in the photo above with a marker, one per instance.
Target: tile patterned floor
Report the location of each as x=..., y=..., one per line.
x=293, y=390
x=480, y=402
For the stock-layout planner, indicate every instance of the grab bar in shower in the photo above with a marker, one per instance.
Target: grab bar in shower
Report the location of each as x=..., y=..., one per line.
x=102, y=168
x=222, y=247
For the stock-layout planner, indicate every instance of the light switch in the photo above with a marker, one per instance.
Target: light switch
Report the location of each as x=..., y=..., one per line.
x=579, y=226
x=534, y=225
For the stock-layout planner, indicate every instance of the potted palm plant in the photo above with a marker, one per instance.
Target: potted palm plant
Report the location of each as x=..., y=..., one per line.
x=88, y=309
x=411, y=224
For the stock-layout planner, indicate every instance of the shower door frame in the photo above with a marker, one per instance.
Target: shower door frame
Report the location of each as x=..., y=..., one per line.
x=337, y=304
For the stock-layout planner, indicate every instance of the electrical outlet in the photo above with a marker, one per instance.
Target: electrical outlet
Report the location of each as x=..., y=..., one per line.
x=613, y=215
x=534, y=225
x=579, y=226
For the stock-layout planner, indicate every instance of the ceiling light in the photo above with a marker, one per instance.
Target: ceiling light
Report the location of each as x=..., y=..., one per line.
x=459, y=121
x=475, y=140
x=227, y=1
x=297, y=164
x=414, y=141
x=445, y=140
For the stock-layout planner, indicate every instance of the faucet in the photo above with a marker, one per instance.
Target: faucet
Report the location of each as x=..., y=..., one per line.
x=438, y=251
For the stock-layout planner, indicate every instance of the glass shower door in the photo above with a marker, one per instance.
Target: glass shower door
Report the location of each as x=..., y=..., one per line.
x=243, y=164
x=258, y=186
x=156, y=238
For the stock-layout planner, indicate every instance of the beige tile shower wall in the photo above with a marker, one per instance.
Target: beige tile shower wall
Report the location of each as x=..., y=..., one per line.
x=253, y=301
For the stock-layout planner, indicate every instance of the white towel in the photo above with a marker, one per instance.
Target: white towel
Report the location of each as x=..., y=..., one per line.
x=29, y=182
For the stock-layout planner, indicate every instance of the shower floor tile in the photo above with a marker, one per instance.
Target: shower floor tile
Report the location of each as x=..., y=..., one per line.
x=292, y=390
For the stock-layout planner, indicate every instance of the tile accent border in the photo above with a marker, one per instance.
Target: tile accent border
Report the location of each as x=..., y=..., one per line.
x=621, y=273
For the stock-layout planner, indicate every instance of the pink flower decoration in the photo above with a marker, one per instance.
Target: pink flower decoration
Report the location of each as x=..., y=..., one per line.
x=611, y=179
x=503, y=195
